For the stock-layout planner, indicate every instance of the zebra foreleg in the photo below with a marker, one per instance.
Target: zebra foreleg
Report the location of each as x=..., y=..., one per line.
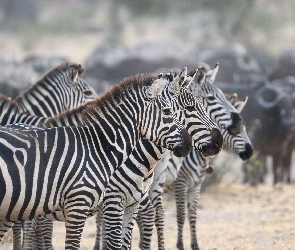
x=29, y=233
x=113, y=211
x=180, y=198
x=192, y=199
x=130, y=215
x=4, y=227
x=159, y=222
x=44, y=233
x=145, y=220
x=17, y=235
x=75, y=216
x=99, y=227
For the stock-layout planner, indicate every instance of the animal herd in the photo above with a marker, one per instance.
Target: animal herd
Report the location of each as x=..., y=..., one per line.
x=67, y=153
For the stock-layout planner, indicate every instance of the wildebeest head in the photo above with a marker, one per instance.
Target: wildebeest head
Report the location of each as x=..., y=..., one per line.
x=274, y=100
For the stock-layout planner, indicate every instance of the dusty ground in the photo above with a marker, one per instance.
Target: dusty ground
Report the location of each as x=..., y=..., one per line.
x=231, y=216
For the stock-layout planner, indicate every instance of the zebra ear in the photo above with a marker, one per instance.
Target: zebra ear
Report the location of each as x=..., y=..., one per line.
x=211, y=74
x=233, y=99
x=74, y=70
x=239, y=105
x=188, y=83
x=182, y=77
x=177, y=82
x=200, y=76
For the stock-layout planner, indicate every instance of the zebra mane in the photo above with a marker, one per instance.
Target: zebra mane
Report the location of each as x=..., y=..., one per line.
x=70, y=117
x=115, y=94
x=6, y=104
x=90, y=112
x=61, y=69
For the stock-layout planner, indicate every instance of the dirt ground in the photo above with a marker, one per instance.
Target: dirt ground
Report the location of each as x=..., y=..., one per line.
x=230, y=216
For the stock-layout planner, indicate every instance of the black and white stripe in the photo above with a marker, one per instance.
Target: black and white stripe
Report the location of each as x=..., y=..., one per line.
x=185, y=178
x=61, y=88
x=69, y=167
x=220, y=110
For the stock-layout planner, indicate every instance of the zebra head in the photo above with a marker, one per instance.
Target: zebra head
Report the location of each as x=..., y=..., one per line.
x=217, y=106
x=79, y=91
x=240, y=143
x=206, y=136
x=159, y=121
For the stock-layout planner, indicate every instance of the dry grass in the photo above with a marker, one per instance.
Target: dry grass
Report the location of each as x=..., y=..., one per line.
x=231, y=216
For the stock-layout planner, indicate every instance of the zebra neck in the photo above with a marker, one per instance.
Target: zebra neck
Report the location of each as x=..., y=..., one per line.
x=38, y=100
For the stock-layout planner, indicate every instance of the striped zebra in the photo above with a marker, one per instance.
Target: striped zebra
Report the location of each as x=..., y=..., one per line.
x=57, y=177
x=220, y=111
x=226, y=121
x=192, y=173
x=128, y=186
x=186, y=100
x=186, y=183
x=60, y=89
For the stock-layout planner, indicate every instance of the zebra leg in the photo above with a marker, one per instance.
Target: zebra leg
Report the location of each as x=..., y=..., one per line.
x=180, y=189
x=113, y=211
x=38, y=239
x=17, y=235
x=44, y=233
x=75, y=216
x=192, y=198
x=29, y=232
x=145, y=219
x=128, y=223
x=99, y=222
x=4, y=227
x=159, y=221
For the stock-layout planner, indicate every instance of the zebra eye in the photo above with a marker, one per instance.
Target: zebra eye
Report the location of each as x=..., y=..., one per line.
x=167, y=111
x=88, y=92
x=190, y=108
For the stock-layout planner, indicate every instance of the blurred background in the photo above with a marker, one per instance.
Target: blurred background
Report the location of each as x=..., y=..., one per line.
x=254, y=42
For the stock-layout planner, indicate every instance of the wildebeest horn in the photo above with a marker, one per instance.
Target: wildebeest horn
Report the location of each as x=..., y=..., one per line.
x=267, y=104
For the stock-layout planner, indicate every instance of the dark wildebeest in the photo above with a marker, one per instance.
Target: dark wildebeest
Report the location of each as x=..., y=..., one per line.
x=268, y=117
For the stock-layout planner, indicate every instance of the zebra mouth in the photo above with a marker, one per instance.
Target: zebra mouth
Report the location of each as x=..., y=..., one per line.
x=207, y=149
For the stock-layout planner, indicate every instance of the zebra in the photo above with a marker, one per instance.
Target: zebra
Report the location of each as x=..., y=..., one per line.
x=226, y=121
x=186, y=184
x=187, y=100
x=127, y=186
x=57, y=177
x=59, y=89
x=220, y=111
